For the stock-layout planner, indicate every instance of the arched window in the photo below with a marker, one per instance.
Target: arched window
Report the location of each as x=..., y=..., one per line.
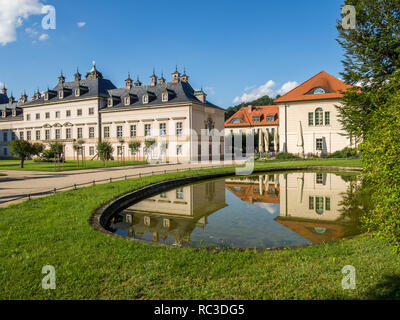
x=319, y=117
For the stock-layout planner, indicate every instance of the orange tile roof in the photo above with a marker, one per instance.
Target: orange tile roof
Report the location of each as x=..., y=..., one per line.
x=246, y=114
x=305, y=91
x=247, y=194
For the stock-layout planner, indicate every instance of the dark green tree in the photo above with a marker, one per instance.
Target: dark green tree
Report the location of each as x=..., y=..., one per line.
x=105, y=151
x=372, y=54
x=23, y=150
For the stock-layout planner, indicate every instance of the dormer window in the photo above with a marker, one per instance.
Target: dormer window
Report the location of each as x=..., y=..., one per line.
x=14, y=113
x=236, y=121
x=127, y=101
x=46, y=96
x=110, y=102
x=256, y=119
x=145, y=99
x=319, y=91
x=3, y=114
x=164, y=97
x=270, y=118
x=61, y=94
x=77, y=92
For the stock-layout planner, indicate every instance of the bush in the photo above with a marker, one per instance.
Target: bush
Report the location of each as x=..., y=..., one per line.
x=286, y=156
x=381, y=158
x=344, y=153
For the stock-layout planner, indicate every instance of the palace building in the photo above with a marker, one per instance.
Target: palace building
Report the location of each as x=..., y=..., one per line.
x=92, y=109
x=309, y=123
x=253, y=120
x=306, y=119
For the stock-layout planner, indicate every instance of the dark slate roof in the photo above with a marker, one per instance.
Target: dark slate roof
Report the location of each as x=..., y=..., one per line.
x=179, y=93
x=9, y=108
x=97, y=88
x=3, y=98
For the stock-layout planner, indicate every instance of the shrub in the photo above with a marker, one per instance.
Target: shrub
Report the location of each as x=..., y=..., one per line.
x=286, y=156
x=344, y=153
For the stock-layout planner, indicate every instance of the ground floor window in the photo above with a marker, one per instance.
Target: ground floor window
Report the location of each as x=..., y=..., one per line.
x=179, y=193
x=28, y=135
x=327, y=203
x=91, y=151
x=47, y=134
x=119, y=150
x=311, y=203
x=319, y=205
x=21, y=135
x=319, y=144
x=179, y=150
x=58, y=134
x=68, y=133
x=37, y=135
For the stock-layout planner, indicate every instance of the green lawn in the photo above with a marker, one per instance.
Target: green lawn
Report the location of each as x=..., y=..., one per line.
x=69, y=165
x=91, y=265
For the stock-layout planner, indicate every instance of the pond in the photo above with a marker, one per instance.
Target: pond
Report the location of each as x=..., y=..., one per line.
x=259, y=211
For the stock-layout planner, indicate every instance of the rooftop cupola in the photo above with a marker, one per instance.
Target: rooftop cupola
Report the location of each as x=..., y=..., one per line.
x=128, y=82
x=153, y=79
x=36, y=95
x=93, y=74
x=162, y=79
x=185, y=77
x=200, y=95
x=61, y=79
x=176, y=76
x=24, y=98
x=3, y=90
x=11, y=100
x=138, y=83
x=78, y=76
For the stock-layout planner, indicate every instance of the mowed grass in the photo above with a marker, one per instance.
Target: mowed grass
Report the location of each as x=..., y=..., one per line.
x=91, y=265
x=30, y=165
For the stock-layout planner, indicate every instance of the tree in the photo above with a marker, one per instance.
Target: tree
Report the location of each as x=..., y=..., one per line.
x=134, y=146
x=105, y=151
x=22, y=150
x=148, y=145
x=372, y=55
x=371, y=111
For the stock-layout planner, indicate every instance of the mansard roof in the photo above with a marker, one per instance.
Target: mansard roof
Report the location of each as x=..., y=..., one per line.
x=3, y=98
x=180, y=92
x=245, y=117
x=9, y=110
x=95, y=88
x=320, y=87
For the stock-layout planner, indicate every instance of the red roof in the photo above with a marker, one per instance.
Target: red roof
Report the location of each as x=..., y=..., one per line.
x=245, y=117
x=304, y=92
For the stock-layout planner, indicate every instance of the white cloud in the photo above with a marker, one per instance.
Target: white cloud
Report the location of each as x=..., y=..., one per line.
x=81, y=24
x=288, y=86
x=43, y=37
x=12, y=15
x=266, y=89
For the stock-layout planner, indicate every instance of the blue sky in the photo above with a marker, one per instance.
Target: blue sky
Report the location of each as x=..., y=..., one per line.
x=236, y=50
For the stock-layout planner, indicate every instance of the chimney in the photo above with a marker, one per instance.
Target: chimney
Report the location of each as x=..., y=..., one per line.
x=249, y=108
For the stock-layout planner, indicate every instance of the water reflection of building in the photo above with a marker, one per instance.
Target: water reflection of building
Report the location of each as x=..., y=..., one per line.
x=255, y=189
x=310, y=205
x=176, y=213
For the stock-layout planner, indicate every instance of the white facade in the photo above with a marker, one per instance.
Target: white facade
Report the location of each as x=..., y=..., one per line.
x=323, y=138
